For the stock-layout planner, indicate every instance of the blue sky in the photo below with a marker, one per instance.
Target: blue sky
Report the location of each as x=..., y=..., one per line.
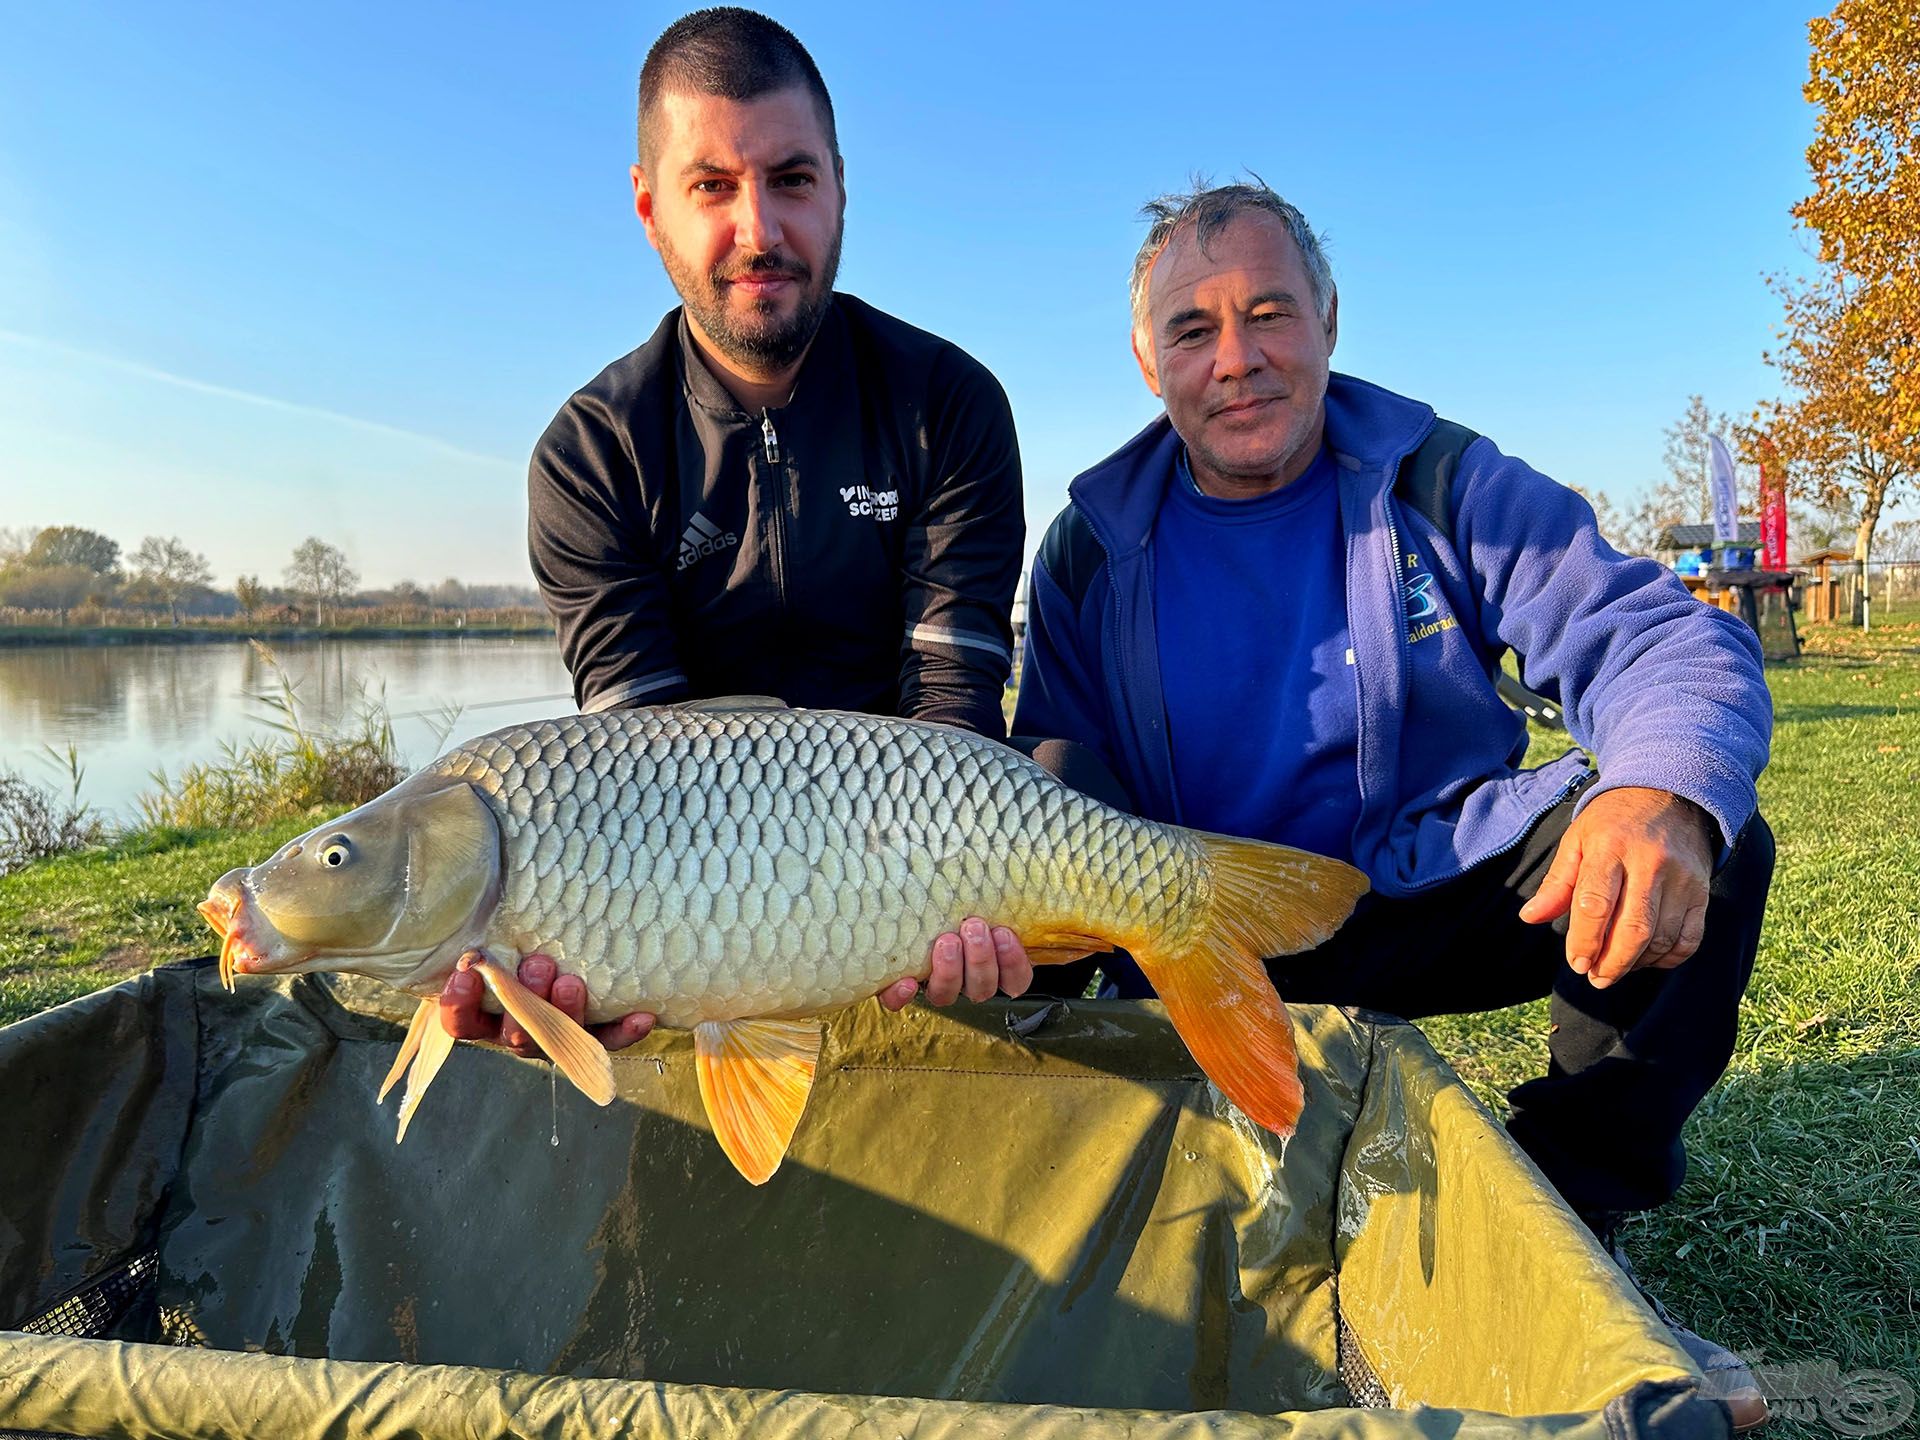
x=272, y=271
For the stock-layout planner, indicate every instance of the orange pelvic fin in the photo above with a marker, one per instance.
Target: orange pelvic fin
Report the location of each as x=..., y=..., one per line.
x=755, y=1076
x=1267, y=900
x=427, y=1014
x=581, y=1058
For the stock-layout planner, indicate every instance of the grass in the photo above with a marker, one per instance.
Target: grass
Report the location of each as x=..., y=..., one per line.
x=1796, y=1237
x=1797, y=1234
x=77, y=922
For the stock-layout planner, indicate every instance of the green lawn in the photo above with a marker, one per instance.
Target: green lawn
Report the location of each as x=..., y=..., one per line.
x=1797, y=1235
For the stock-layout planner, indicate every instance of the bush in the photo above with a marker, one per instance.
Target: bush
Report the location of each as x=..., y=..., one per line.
x=34, y=823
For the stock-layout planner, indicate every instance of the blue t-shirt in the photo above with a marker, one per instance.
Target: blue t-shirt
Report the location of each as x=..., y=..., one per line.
x=1250, y=604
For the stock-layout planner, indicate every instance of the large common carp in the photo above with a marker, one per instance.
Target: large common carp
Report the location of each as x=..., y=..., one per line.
x=737, y=867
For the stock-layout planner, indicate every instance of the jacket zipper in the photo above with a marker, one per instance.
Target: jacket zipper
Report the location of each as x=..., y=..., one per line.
x=770, y=447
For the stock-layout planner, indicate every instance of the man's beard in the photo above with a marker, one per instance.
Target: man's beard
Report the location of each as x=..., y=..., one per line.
x=759, y=339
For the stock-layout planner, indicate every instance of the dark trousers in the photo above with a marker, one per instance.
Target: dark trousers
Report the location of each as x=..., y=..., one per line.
x=1627, y=1064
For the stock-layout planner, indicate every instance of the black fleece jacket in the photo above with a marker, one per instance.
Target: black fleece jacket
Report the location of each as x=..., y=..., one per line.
x=854, y=549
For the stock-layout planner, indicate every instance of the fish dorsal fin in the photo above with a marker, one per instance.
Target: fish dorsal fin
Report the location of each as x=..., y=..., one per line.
x=755, y=1076
x=581, y=1058
x=721, y=704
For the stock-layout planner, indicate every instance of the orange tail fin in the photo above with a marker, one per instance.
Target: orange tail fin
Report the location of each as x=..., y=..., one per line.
x=1267, y=900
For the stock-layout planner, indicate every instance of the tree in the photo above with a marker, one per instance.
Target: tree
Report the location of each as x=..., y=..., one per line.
x=1850, y=346
x=250, y=593
x=1686, y=456
x=1900, y=542
x=320, y=572
x=1667, y=502
x=13, y=545
x=60, y=545
x=1613, y=526
x=48, y=587
x=171, y=569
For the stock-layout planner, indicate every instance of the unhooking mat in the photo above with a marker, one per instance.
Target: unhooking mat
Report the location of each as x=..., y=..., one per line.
x=1022, y=1217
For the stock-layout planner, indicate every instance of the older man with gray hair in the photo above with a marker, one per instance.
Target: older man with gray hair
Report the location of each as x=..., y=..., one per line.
x=1280, y=611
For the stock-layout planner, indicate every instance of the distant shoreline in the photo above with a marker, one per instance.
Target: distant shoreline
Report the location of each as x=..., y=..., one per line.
x=14, y=636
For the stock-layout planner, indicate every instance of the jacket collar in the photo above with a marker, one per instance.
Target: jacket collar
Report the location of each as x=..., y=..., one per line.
x=830, y=349
x=1369, y=430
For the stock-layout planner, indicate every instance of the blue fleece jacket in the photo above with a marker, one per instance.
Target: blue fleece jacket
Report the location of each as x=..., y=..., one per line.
x=1665, y=691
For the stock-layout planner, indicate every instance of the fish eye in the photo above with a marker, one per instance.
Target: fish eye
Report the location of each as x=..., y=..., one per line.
x=335, y=853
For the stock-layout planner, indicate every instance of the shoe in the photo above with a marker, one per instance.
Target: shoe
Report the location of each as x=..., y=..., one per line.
x=1728, y=1378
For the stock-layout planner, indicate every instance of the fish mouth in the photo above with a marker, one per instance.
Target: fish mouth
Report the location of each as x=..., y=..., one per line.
x=223, y=910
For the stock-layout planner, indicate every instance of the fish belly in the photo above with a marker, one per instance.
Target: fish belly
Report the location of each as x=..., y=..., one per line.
x=716, y=865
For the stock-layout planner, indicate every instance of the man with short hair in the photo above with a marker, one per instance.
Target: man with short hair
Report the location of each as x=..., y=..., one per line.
x=784, y=491
x=1280, y=611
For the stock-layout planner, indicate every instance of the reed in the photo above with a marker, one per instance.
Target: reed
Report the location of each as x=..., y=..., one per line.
x=299, y=770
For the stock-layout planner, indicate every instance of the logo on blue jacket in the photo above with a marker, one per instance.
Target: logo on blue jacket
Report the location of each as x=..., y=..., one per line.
x=1421, y=595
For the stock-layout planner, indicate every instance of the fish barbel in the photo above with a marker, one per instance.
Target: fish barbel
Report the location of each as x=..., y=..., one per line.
x=738, y=867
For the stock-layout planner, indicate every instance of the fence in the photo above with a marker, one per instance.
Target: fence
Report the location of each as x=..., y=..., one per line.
x=1890, y=584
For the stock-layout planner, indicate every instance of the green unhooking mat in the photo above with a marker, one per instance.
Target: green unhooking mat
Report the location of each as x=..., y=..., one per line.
x=1018, y=1218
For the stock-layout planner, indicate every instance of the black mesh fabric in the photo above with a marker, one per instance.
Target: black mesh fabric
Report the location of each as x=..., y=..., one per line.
x=89, y=1313
x=1362, y=1384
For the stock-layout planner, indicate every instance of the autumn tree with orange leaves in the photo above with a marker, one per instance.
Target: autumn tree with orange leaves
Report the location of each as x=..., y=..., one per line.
x=1850, y=346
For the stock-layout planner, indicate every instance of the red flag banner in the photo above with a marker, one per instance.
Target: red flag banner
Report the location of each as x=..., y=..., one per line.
x=1773, y=517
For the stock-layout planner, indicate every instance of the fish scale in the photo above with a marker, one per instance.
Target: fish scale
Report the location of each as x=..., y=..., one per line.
x=846, y=872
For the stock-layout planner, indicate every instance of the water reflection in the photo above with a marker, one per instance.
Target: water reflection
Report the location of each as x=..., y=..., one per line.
x=131, y=708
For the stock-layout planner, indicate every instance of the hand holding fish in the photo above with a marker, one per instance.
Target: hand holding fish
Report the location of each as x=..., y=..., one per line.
x=1631, y=874
x=464, y=1019
x=978, y=960
x=975, y=960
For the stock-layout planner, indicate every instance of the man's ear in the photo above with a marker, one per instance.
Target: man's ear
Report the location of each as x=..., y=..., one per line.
x=1143, y=356
x=1333, y=322
x=643, y=203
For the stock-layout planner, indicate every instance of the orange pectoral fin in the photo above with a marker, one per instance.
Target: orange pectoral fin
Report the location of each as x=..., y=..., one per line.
x=581, y=1058
x=434, y=1048
x=427, y=1014
x=755, y=1076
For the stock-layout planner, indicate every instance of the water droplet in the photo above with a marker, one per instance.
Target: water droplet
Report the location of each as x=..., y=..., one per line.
x=1193, y=1155
x=553, y=1100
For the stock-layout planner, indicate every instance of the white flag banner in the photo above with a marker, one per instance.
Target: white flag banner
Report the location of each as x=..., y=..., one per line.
x=1726, y=497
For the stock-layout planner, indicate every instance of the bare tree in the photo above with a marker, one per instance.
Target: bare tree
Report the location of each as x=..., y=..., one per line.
x=1613, y=525
x=167, y=565
x=1687, y=460
x=320, y=572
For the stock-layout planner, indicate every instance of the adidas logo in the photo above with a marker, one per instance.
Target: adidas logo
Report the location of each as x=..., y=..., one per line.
x=701, y=539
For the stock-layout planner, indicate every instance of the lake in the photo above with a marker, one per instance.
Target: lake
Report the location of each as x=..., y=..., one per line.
x=128, y=709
